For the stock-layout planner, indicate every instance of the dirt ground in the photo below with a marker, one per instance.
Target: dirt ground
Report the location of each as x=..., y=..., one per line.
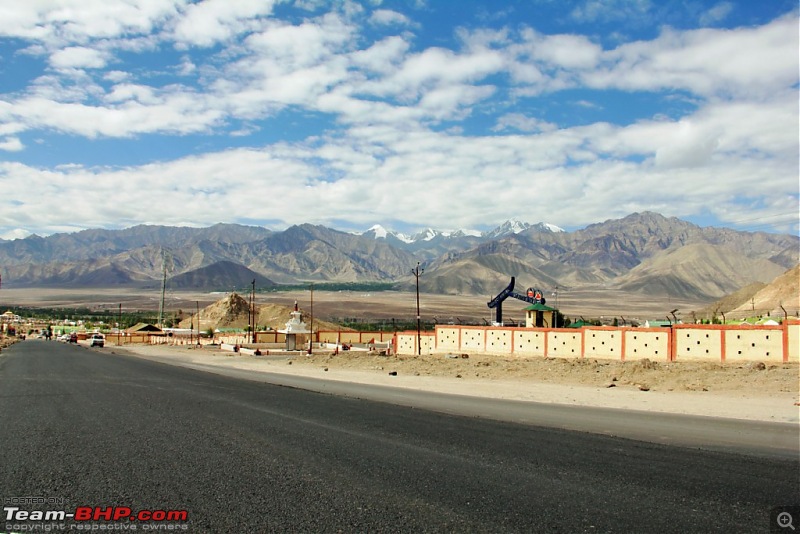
x=752, y=379
x=383, y=305
x=754, y=391
x=751, y=391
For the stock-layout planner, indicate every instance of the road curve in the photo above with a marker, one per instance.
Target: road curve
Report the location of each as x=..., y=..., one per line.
x=98, y=429
x=762, y=438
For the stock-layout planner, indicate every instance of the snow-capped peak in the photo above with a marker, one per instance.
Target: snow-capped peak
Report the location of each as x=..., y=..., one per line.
x=510, y=227
x=426, y=235
x=466, y=233
x=379, y=231
x=551, y=227
x=403, y=237
x=516, y=226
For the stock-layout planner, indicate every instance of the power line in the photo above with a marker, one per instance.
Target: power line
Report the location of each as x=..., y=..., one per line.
x=777, y=220
x=756, y=227
x=765, y=217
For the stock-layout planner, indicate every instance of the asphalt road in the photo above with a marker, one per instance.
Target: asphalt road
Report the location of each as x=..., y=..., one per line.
x=760, y=438
x=96, y=429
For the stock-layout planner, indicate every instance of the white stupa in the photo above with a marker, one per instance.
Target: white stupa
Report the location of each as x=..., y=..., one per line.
x=294, y=326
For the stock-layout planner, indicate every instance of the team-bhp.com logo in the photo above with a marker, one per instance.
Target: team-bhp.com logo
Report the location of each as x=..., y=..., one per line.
x=90, y=518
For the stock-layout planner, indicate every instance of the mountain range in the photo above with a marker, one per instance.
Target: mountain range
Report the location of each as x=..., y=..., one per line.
x=642, y=253
x=429, y=243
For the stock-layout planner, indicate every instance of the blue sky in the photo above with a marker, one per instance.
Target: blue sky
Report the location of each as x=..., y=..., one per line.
x=406, y=113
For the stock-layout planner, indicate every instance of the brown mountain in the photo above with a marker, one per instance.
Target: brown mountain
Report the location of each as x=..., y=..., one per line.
x=643, y=253
x=783, y=293
x=771, y=299
x=697, y=269
x=220, y=275
x=232, y=311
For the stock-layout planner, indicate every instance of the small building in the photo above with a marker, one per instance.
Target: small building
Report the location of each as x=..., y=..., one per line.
x=580, y=323
x=658, y=324
x=144, y=328
x=295, y=327
x=539, y=315
x=10, y=317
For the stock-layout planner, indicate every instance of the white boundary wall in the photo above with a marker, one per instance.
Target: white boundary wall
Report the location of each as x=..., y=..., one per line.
x=681, y=342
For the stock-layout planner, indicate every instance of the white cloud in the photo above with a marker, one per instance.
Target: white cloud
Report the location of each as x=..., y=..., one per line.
x=383, y=56
x=587, y=172
x=11, y=144
x=179, y=113
x=16, y=233
x=187, y=67
x=522, y=123
x=296, y=46
x=687, y=147
x=78, y=20
x=124, y=92
x=453, y=101
x=117, y=76
x=716, y=14
x=210, y=21
x=611, y=10
x=388, y=17
x=740, y=62
x=434, y=67
x=561, y=51
x=76, y=57
x=385, y=97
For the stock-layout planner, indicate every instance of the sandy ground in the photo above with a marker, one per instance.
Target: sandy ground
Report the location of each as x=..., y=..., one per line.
x=751, y=391
x=383, y=305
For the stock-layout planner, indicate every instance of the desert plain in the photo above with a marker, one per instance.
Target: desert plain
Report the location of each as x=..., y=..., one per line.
x=751, y=390
x=380, y=305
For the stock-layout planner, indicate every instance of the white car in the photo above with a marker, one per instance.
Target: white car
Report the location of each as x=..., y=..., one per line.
x=97, y=340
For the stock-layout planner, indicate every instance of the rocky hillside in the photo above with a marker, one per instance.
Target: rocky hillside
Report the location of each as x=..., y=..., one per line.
x=232, y=311
x=644, y=253
x=300, y=253
x=782, y=293
x=221, y=275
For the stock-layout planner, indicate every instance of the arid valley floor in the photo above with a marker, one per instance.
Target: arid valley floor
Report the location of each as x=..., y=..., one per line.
x=748, y=390
x=384, y=305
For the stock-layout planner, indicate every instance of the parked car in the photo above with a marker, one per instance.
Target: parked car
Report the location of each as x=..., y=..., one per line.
x=64, y=338
x=97, y=340
x=73, y=338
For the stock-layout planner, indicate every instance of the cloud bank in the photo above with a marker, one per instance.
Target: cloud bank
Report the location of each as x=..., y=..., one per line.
x=115, y=113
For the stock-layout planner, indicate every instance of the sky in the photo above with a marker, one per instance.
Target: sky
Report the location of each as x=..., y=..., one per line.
x=406, y=113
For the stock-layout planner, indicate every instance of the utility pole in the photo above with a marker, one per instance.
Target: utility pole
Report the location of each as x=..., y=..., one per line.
x=163, y=291
x=417, y=272
x=311, y=321
x=558, y=311
x=119, y=322
x=197, y=304
x=164, y=256
x=253, y=313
